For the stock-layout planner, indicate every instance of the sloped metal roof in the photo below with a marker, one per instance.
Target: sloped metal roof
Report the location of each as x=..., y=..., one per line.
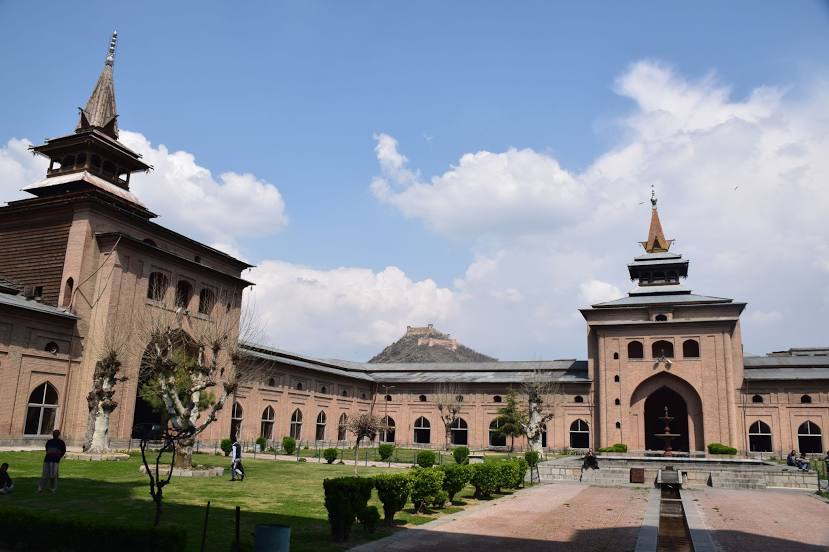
x=785, y=361
x=20, y=301
x=787, y=374
x=664, y=299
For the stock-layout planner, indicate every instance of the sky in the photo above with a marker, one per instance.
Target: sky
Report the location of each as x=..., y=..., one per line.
x=477, y=165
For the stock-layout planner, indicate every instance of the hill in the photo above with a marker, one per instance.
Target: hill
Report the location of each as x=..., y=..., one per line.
x=426, y=344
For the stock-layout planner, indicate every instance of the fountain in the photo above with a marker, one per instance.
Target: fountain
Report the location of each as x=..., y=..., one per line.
x=666, y=435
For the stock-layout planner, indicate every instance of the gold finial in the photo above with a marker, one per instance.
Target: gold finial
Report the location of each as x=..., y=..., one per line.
x=111, y=54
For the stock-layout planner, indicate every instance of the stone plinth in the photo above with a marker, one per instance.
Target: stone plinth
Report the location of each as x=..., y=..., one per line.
x=98, y=457
x=189, y=472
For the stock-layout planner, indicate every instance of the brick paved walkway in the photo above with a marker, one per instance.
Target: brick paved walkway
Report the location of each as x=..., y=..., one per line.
x=561, y=517
x=767, y=520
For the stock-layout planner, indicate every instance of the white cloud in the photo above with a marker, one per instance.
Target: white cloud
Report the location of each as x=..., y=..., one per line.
x=596, y=291
x=19, y=168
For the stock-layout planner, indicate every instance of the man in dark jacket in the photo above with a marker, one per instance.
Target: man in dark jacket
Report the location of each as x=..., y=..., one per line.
x=236, y=468
x=55, y=449
x=6, y=485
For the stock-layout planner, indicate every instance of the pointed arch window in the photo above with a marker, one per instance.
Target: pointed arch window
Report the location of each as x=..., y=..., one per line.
x=236, y=417
x=690, y=348
x=422, y=431
x=662, y=348
x=496, y=438
x=68, y=288
x=41, y=411
x=207, y=298
x=266, y=426
x=809, y=438
x=759, y=437
x=387, y=431
x=579, y=435
x=296, y=424
x=635, y=350
x=320, y=434
x=757, y=399
x=459, y=432
x=806, y=399
x=184, y=291
x=342, y=427
x=661, y=318
x=157, y=286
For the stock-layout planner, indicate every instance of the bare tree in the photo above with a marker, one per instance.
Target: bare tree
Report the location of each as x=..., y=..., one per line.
x=363, y=426
x=542, y=395
x=158, y=480
x=448, y=399
x=113, y=351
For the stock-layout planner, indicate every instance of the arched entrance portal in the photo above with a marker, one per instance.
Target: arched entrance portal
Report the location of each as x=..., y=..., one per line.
x=655, y=406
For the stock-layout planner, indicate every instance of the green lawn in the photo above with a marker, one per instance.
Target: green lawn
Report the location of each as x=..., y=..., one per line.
x=288, y=493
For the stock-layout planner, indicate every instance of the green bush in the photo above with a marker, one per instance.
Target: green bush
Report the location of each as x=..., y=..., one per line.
x=439, y=500
x=262, y=442
x=426, y=484
x=393, y=490
x=618, y=447
x=426, y=459
x=226, y=445
x=288, y=445
x=461, y=455
x=345, y=498
x=455, y=478
x=42, y=532
x=507, y=473
x=532, y=457
x=484, y=479
x=369, y=518
x=719, y=448
x=385, y=450
x=521, y=472
x=330, y=454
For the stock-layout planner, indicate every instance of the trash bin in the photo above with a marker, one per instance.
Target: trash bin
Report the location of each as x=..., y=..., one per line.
x=272, y=538
x=637, y=475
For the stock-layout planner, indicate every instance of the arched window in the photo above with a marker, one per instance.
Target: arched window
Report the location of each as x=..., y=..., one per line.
x=388, y=397
x=759, y=437
x=809, y=439
x=616, y=378
x=296, y=424
x=497, y=398
x=207, y=298
x=578, y=399
x=342, y=427
x=320, y=435
x=266, y=426
x=662, y=348
x=52, y=348
x=459, y=432
x=496, y=438
x=661, y=318
x=271, y=382
x=635, y=350
x=757, y=399
x=387, y=431
x=422, y=398
x=299, y=386
x=615, y=356
x=617, y=402
x=158, y=286
x=579, y=435
x=236, y=416
x=422, y=433
x=67, y=292
x=323, y=389
x=690, y=348
x=618, y=424
x=184, y=291
x=42, y=410
x=344, y=393
x=806, y=399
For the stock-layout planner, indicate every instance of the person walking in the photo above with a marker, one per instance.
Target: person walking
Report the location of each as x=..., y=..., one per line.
x=55, y=449
x=236, y=467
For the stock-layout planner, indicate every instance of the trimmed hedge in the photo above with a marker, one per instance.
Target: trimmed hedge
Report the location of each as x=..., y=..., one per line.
x=385, y=450
x=455, y=478
x=36, y=532
x=369, y=518
x=330, y=454
x=719, y=448
x=439, y=500
x=426, y=459
x=226, y=445
x=484, y=479
x=521, y=472
x=393, y=491
x=262, y=442
x=345, y=499
x=426, y=484
x=532, y=457
x=461, y=455
x=288, y=445
x=617, y=447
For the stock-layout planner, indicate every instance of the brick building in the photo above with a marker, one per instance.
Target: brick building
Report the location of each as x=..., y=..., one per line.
x=83, y=255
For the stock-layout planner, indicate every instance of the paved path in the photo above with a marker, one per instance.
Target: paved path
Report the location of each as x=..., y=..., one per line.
x=561, y=517
x=767, y=520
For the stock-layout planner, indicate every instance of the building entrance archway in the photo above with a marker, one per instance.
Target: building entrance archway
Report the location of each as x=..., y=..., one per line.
x=655, y=405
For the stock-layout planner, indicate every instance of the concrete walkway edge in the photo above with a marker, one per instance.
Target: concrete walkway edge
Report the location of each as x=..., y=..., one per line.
x=648, y=533
x=700, y=534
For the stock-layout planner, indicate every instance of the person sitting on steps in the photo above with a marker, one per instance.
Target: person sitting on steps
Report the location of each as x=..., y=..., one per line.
x=590, y=461
x=791, y=459
x=803, y=462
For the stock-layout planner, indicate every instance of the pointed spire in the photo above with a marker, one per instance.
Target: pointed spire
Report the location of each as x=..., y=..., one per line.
x=657, y=243
x=100, y=108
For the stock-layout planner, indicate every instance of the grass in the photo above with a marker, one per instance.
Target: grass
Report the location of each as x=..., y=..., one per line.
x=288, y=493
x=400, y=455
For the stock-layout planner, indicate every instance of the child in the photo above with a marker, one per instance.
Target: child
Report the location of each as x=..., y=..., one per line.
x=6, y=485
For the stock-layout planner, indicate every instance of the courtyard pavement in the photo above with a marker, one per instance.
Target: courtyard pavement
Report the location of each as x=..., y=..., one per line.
x=562, y=517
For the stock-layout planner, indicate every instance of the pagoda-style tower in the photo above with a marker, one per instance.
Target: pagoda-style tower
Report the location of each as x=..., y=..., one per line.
x=92, y=157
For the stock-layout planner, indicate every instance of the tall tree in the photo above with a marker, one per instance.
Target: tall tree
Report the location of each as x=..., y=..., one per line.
x=511, y=420
x=541, y=394
x=100, y=400
x=363, y=426
x=448, y=399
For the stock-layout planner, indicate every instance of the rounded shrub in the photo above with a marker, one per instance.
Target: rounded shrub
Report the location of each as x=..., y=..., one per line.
x=617, y=447
x=484, y=479
x=262, y=442
x=439, y=500
x=719, y=448
x=426, y=484
x=226, y=445
x=369, y=518
x=521, y=467
x=506, y=474
x=532, y=457
x=455, y=478
x=288, y=445
x=330, y=454
x=385, y=450
x=461, y=455
x=426, y=459
x=393, y=491
x=345, y=499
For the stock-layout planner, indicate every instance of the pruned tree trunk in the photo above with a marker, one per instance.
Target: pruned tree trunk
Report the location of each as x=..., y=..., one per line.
x=101, y=403
x=184, y=452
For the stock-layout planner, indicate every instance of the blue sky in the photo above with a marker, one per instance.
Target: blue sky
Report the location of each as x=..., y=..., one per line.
x=296, y=93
